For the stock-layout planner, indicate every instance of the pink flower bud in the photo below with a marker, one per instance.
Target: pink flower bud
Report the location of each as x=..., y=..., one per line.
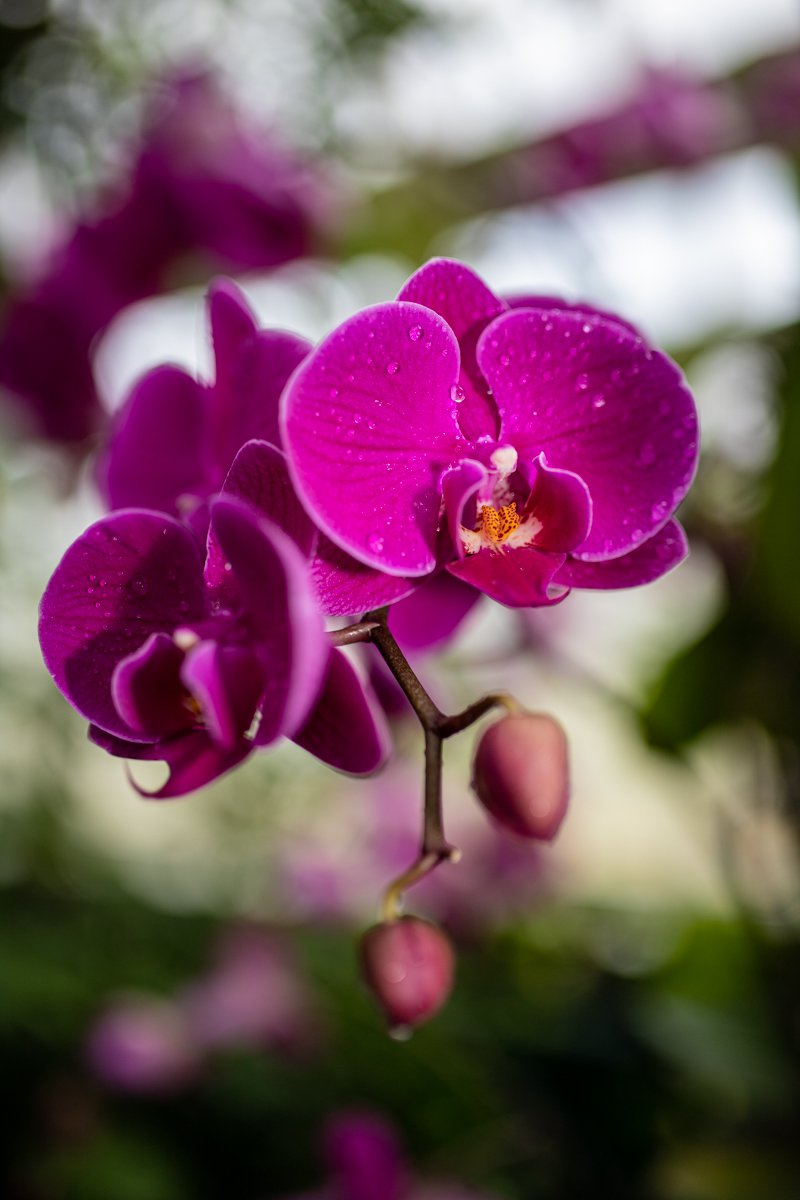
x=408, y=964
x=521, y=774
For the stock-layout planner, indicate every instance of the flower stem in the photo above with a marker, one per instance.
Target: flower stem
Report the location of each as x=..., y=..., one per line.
x=436, y=726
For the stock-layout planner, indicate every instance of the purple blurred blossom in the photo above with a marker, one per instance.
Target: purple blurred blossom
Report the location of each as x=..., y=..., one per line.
x=254, y=995
x=670, y=121
x=366, y=1162
x=526, y=449
x=202, y=182
x=198, y=663
x=142, y=1044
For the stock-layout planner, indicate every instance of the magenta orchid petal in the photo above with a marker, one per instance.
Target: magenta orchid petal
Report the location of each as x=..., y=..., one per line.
x=194, y=761
x=259, y=475
x=346, y=728
x=260, y=375
x=600, y=403
x=130, y=575
x=460, y=486
x=375, y=397
x=232, y=324
x=649, y=561
x=456, y=293
x=252, y=367
x=226, y=681
x=560, y=501
x=158, y=455
x=574, y=306
x=432, y=614
x=518, y=578
x=147, y=690
x=275, y=594
x=344, y=586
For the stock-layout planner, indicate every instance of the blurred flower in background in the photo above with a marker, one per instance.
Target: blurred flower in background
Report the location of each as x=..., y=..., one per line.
x=366, y=1163
x=203, y=184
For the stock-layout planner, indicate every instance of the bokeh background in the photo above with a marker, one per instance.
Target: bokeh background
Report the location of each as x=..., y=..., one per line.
x=180, y=1011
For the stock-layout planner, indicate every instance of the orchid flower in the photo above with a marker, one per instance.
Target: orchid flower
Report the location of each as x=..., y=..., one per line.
x=197, y=664
x=526, y=447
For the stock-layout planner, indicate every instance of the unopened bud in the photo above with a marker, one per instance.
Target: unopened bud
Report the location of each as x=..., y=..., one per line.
x=521, y=774
x=408, y=964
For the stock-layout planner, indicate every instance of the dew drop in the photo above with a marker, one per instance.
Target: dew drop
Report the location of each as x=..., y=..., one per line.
x=582, y=382
x=415, y=333
x=334, y=392
x=392, y=368
x=375, y=543
x=598, y=400
x=457, y=394
x=659, y=510
x=504, y=360
x=140, y=586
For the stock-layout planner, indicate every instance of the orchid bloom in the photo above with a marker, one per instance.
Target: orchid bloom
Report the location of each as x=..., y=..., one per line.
x=527, y=447
x=195, y=663
x=197, y=437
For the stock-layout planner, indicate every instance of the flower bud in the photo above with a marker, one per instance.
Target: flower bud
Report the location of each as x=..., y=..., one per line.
x=520, y=774
x=408, y=964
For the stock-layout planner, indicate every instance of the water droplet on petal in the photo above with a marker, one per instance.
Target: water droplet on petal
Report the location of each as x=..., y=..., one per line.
x=504, y=360
x=415, y=333
x=457, y=394
x=375, y=543
x=598, y=400
x=582, y=382
x=140, y=586
x=392, y=368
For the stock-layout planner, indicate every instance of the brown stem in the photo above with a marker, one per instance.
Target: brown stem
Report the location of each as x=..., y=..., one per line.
x=437, y=726
x=361, y=631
